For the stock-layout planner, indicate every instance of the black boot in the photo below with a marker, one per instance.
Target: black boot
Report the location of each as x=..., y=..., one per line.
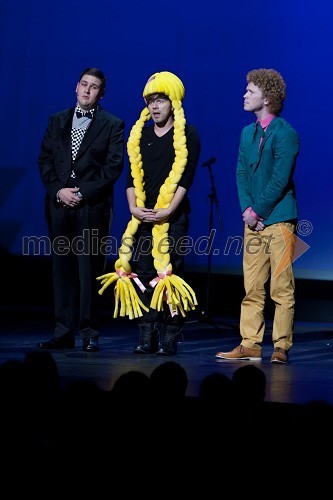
x=148, y=339
x=169, y=341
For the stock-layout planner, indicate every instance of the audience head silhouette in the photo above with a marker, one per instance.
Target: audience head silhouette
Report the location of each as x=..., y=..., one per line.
x=250, y=383
x=169, y=381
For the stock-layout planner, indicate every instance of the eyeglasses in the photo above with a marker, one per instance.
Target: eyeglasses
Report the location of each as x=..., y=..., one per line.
x=159, y=101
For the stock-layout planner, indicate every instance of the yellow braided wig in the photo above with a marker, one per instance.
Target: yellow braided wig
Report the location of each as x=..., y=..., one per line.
x=167, y=286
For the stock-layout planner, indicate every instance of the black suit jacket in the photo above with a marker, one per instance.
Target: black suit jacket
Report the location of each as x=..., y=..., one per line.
x=99, y=160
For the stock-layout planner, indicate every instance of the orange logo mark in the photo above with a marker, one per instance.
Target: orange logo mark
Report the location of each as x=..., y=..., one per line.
x=295, y=247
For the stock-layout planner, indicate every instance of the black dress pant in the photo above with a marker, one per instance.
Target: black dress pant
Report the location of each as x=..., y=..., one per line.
x=77, y=261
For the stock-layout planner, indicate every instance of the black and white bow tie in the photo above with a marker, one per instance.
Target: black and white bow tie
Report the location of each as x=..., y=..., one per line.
x=88, y=114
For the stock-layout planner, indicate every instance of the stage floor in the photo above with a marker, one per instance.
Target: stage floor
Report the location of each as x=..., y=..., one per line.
x=308, y=376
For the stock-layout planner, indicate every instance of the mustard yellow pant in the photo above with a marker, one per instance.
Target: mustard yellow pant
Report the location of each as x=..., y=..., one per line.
x=268, y=254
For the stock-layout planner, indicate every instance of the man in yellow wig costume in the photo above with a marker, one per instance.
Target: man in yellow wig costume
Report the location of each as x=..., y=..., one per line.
x=163, y=159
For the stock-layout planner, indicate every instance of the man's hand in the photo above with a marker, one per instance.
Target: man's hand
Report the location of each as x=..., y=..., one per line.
x=69, y=197
x=252, y=220
x=144, y=214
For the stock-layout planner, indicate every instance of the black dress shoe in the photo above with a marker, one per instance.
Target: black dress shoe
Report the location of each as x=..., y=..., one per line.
x=90, y=345
x=57, y=343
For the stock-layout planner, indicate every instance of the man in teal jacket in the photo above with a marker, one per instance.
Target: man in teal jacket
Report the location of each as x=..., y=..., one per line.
x=266, y=163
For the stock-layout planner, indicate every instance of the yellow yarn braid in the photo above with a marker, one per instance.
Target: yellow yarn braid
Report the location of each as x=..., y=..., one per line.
x=127, y=301
x=167, y=286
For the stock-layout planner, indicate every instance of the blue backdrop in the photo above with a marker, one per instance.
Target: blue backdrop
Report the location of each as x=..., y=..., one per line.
x=211, y=46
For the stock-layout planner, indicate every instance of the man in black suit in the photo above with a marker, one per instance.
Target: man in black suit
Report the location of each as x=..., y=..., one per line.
x=81, y=157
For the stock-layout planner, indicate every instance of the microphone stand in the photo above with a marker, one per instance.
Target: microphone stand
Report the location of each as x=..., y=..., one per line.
x=205, y=315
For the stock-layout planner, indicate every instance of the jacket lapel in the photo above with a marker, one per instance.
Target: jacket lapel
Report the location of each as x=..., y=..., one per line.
x=96, y=126
x=65, y=130
x=254, y=148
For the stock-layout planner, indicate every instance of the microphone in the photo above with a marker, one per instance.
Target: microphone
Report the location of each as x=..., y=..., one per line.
x=209, y=162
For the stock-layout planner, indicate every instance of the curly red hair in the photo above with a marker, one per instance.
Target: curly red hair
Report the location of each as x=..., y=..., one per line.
x=272, y=85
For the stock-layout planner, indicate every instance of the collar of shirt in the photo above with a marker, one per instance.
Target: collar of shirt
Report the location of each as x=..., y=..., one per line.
x=264, y=123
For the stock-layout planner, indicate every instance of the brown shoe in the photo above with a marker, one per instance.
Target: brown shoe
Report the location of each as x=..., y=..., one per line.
x=241, y=352
x=279, y=355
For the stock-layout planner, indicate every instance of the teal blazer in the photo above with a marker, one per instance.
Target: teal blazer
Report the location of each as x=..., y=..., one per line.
x=265, y=173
